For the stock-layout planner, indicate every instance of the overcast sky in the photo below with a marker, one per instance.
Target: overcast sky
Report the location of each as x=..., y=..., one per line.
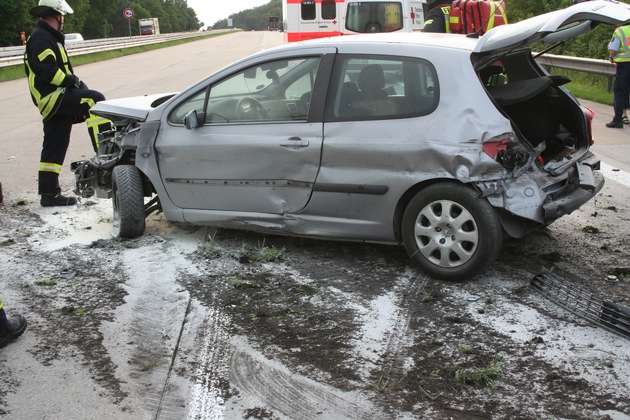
x=211, y=11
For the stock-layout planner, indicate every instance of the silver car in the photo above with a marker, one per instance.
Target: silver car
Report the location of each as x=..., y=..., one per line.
x=441, y=142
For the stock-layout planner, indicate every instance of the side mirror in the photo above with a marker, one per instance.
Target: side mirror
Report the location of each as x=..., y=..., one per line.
x=191, y=121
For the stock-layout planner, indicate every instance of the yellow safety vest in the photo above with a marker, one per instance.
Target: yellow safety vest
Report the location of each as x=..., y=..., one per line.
x=623, y=54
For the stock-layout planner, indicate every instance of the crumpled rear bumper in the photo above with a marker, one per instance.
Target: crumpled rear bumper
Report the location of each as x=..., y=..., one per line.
x=590, y=182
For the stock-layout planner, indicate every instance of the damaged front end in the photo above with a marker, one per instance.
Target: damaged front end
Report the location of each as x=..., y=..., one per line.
x=117, y=146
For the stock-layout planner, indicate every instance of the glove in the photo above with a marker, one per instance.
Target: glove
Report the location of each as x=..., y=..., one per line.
x=78, y=83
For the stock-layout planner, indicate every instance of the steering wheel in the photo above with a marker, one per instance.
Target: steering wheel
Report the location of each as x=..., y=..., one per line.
x=249, y=108
x=372, y=28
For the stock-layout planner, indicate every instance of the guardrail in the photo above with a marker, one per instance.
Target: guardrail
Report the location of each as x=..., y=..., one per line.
x=586, y=65
x=10, y=56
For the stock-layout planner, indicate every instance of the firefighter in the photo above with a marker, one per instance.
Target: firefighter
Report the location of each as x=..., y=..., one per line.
x=437, y=19
x=61, y=97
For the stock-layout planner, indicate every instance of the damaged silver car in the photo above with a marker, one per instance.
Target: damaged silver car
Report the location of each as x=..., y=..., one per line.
x=441, y=142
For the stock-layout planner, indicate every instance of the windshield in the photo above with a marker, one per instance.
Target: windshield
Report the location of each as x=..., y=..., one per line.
x=374, y=16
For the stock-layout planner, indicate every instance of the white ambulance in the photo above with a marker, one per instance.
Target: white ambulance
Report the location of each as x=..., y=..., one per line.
x=308, y=19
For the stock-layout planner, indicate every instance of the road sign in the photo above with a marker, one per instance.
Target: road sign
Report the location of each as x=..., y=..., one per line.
x=128, y=13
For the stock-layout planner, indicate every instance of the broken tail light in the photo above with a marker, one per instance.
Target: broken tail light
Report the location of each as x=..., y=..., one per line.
x=496, y=145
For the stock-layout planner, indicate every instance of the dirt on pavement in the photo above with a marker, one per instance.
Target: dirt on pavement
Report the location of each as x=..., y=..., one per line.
x=272, y=327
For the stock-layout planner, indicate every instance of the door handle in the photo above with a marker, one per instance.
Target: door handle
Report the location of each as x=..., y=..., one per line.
x=294, y=142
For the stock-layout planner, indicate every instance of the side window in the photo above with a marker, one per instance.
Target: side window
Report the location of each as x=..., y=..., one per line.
x=307, y=10
x=369, y=88
x=196, y=102
x=329, y=9
x=269, y=92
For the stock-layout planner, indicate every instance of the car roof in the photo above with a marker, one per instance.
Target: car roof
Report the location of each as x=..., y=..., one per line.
x=454, y=41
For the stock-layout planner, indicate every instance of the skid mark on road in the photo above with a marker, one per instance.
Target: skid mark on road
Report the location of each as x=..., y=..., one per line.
x=153, y=320
x=264, y=382
x=212, y=353
x=385, y=320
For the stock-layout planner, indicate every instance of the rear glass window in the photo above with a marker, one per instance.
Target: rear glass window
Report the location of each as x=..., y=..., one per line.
x=366, y=17
x=382, y=88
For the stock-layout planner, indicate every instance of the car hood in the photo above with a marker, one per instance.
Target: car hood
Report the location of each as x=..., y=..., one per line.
x=130, y=109
x=553, y=27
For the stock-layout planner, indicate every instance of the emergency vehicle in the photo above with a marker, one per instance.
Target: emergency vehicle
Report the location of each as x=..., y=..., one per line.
x=150, y=26
x=372, y=16
x=308, y=19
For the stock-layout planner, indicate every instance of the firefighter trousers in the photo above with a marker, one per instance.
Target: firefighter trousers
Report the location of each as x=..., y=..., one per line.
x=74, y=108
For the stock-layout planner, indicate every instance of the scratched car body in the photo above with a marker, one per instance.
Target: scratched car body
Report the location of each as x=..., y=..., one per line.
x=441, y=142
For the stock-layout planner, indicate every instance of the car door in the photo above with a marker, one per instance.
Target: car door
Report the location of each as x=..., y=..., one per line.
x=553, y=27
x=256, y=146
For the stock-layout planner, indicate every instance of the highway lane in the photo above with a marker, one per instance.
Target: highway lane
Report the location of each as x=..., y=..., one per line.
x=611, y=145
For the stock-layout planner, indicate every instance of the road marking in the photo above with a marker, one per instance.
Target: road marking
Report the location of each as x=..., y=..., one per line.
x=614, y=174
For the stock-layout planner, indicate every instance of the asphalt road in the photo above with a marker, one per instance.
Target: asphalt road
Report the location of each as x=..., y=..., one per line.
x=612, y=145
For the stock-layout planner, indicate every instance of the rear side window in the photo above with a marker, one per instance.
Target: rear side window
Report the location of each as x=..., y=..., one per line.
x=368, y=88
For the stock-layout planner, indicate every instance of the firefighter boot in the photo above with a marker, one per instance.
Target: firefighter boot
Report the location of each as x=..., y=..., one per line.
x=50, y=200
x=11, y=328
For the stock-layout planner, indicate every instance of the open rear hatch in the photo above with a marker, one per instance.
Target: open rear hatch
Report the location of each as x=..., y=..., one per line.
x=543, y=113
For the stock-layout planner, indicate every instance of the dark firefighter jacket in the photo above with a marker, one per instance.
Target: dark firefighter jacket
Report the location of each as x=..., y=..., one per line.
x=47, y=68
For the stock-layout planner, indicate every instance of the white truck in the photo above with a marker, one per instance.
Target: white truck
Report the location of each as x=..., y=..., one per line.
x=149, y=26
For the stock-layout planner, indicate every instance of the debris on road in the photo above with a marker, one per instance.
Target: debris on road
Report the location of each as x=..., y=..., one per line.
x=606, y=314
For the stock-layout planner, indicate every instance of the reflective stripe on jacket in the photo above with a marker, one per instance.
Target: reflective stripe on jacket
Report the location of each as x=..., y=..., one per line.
x=48, y=69
x=447, y=18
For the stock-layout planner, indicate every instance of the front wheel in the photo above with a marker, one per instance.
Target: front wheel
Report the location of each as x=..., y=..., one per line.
x=128, y=202
x=450, y=232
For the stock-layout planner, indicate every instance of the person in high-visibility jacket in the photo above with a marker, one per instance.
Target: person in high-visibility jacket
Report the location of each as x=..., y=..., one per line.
x=61, y=97
x=619, y=51
x=437, y=18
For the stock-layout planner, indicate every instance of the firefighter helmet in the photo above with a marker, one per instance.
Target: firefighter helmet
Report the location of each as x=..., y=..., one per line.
x=45, y=7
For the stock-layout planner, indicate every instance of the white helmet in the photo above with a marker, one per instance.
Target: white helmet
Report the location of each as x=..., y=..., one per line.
x=46, y=6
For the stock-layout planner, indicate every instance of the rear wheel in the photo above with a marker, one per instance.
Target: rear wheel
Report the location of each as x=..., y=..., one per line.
x=128, y=201
x=450, y=232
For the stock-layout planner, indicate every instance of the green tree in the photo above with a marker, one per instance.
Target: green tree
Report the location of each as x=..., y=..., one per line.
x=15, y=19
x=524, y=9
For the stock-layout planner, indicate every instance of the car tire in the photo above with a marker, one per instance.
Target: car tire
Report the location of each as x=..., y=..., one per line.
x=451, y=232
x=128, y=202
